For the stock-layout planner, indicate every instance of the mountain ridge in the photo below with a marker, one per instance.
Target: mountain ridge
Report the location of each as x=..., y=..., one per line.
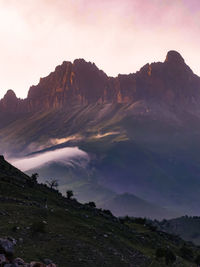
x=138, y=134
x=84, y=83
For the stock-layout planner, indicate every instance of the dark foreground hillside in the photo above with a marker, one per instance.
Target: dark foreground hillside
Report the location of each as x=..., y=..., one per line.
x=48, y=225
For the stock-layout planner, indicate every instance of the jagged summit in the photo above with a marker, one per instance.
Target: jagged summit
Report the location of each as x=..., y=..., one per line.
x=81, y=82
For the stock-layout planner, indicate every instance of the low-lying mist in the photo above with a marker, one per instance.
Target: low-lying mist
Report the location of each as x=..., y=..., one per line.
x=68, y=156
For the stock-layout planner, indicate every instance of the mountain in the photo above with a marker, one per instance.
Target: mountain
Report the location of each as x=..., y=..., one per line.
x=171, y=82
x=44, y=224
x=124, y=204
x=141, y=132
x=87, y=188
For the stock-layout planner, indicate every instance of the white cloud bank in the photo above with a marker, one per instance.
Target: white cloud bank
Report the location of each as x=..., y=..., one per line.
x=65, y=155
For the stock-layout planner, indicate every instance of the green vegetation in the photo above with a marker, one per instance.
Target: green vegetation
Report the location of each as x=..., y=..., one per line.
x=73, y=234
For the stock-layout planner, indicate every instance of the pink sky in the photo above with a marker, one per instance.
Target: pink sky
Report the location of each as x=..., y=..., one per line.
x=119, y=36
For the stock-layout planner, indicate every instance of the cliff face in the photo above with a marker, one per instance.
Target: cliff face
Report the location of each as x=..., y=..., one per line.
x=171, y=82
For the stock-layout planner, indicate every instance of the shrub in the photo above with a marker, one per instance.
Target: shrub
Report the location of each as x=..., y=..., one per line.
x=91, y=204
x=69, y=194
x=33, y=180
x=108, y=212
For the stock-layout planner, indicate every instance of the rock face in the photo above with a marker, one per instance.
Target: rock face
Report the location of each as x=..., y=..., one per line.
x=81, y=82
x=7, y=256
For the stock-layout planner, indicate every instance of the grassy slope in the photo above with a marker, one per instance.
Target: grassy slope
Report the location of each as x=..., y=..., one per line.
x=86, y=188
x=75, y=235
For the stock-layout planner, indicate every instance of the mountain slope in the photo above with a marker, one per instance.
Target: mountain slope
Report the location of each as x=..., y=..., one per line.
x=88, y=188
x=75, y=234
x=141, y=131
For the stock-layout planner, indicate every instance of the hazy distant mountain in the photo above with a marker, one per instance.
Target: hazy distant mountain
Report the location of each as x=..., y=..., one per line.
x=141, y=131
x=187, y=227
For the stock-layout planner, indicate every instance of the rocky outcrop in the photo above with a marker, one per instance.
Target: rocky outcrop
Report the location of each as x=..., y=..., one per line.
x=7, y=256
x=81, y=82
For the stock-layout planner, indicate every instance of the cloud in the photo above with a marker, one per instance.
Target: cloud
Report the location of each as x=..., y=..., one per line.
x=66, y=155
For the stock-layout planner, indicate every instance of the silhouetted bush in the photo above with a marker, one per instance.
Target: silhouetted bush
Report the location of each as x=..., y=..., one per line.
x=91, y=204
x=69, y=194
x=33, y=180
x=108, y=212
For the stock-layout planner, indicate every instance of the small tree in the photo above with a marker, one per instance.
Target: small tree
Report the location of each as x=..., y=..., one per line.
x=34, y=177
x=69, y=194
x=53, y=184
x=91, y=204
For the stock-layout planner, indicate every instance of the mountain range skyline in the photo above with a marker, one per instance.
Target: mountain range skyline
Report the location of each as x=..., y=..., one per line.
x=37, y=35
x=11, y=91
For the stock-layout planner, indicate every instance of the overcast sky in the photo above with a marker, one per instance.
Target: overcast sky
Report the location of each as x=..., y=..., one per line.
x=120, y=36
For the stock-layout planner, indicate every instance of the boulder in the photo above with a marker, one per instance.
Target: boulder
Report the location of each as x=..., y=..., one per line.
x=2, y=258
x=7, y=245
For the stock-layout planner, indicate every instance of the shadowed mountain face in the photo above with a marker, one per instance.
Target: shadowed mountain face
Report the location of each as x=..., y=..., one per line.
x=141, y=131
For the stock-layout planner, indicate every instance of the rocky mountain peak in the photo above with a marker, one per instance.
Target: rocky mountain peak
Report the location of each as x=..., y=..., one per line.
x=9, y=102
x=10, y=95
x=82, y=82
x=174, y=57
